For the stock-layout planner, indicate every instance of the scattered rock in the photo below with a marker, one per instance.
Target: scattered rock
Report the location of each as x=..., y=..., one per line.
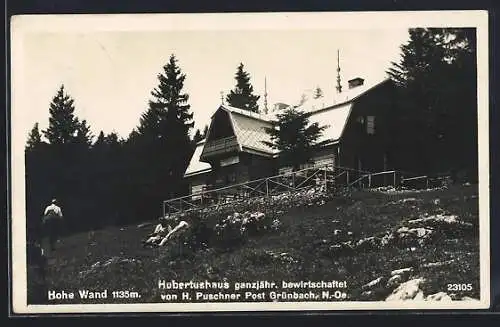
x=282, y=257
x=387, y=239
x=404, y=201
x=441, y=296
x=419, y=296
x=366, y=294
x=394, y=280
x=94, y=268
x=402, y=271
x=449, y=219
x=373, y=283
x=409, y=290
x=367, y=243
x=437, y=264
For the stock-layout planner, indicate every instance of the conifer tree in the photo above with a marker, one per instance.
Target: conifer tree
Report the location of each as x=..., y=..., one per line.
x=34, y=138
x=242, y=96
x=162, y=139
x=83, y=134
x=197, y=136
x=100, y=139
x=318, y=93
x=436, y=79
x=168, y=115
x=295, y=137
x=63, y=124
x=200, y=135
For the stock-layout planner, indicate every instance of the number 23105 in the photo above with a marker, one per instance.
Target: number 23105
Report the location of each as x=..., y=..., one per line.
x=459, y=287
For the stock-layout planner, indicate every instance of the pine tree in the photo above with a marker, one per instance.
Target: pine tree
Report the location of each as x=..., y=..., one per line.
x=169, y=107
x=34, y=138
x=112, y=139
x=318, y=93
x=36, y=180
x=303, y=99
x=83, y=134
x=437, y=99
x=100, y=140
x=295, y=137
x=242, y=95
x=63, y=124
x=197, y=136
x=161, y=146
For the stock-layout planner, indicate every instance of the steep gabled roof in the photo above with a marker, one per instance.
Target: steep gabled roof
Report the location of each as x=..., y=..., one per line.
x=335, y=118
x=249, y=127
x=196, y=166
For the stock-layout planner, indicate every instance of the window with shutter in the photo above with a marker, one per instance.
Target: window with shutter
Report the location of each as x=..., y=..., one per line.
x=370, y=125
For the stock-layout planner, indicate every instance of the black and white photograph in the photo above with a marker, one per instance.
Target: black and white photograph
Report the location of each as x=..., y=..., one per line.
x=247, y=162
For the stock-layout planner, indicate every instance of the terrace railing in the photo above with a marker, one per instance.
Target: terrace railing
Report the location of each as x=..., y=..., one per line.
x=327, y=178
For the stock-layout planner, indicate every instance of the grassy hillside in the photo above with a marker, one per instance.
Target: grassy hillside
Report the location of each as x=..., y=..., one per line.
x=358, y=238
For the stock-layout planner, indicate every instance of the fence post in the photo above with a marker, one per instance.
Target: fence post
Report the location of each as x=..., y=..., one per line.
x=347, y=177
x=267, y=187
x=293, y=179
x=370, y=181
x=394, y=179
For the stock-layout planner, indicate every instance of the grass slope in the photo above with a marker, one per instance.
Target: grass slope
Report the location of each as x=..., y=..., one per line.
x=300, y=250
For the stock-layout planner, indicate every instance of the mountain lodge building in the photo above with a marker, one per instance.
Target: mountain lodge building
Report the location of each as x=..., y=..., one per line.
x=358, y=127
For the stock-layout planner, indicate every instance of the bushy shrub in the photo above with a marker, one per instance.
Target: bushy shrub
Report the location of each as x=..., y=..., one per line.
x=235, y=228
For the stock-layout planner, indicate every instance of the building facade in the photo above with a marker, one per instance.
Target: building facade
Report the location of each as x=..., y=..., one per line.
x=358, y=130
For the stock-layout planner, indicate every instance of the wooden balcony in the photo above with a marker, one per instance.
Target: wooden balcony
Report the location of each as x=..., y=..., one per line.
x=219, y=147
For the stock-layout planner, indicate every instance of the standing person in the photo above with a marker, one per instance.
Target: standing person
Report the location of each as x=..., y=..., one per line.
x=52, y=219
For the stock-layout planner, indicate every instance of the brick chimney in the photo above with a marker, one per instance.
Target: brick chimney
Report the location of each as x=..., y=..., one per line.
x=358, y=81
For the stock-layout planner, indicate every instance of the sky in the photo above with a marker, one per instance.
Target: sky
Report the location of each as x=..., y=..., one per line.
x=109, y=64
x=110, y=74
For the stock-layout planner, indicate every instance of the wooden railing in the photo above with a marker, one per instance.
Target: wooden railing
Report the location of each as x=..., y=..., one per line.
x=327, y=177
x=219, y=146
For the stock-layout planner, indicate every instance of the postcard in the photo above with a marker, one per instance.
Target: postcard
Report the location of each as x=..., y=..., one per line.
x=249, y=162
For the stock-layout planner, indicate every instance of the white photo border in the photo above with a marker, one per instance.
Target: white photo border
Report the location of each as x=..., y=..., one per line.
x=24, y=24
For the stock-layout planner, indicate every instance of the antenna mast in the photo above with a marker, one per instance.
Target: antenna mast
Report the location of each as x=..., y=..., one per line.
x=265, y=96
x=338, y=87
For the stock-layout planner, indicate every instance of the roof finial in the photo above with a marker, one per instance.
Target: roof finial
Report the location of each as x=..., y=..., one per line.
x=265, y=96
x=222, y=97
x=338, y=87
